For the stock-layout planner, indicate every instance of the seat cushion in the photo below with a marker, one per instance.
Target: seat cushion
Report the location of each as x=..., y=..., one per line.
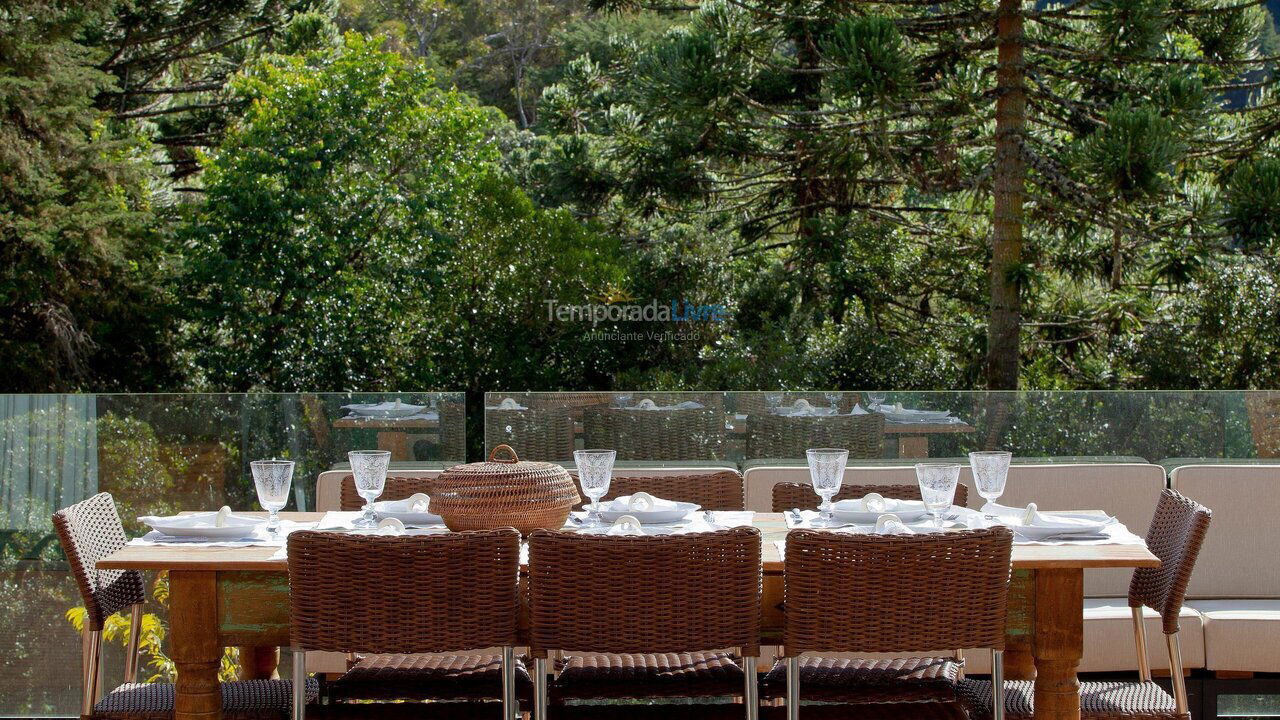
x=241, y=700
x=1241, y=635
x=1098, y=700
x=647, y=675
x=428, y=677
x=1108, y=638
x=928, y=679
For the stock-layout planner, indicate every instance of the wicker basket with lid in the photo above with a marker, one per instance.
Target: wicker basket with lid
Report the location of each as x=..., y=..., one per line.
x=504, y=492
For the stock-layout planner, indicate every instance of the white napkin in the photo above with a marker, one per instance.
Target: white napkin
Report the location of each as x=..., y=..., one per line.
x=218, y=519
x=858, y=410
x=642, y=502
x=510, y=404
x=390, y=526
x=1031, y=515
x=890, y=524
x=871, y=502
x=626, y=525
x=418, y=503
x=648, y=404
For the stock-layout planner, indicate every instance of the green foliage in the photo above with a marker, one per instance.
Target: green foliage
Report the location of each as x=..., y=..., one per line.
x=871, y=60
x=1253, y=204
x=1133, y=154
x=79, y=251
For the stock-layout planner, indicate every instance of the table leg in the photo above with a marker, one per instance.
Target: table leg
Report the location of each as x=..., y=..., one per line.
x=1059, y=642
x=913, y=446
x=396, y=442
x=259, y=662
x=1019, y=656
x=193, y=630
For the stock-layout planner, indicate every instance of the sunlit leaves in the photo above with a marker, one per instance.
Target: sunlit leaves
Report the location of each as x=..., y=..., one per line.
x=1133, y=154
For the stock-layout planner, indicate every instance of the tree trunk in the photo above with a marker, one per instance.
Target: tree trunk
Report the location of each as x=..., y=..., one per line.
x=1010, y=178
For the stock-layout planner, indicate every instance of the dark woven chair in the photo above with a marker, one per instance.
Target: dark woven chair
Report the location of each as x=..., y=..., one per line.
x=396, y=488
x=677, y=435
x=1176, y=533
x=90, y=531
x=659, y=606
x=453, y=431
x=782, y=436
x=544, y=434
x=878, y=594
x=396, y=600
x=713, y=491
x=800, y=495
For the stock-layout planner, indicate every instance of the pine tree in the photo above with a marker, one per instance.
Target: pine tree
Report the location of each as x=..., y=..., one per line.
x=1077, y=155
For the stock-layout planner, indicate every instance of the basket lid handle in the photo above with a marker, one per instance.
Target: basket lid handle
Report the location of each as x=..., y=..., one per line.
x=511, y=455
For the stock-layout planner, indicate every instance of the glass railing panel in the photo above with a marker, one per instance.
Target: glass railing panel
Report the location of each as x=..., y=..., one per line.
x=158, y=454
x=665, y=428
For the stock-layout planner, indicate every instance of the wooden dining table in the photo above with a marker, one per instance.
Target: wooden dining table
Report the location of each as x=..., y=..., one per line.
x=220, y=597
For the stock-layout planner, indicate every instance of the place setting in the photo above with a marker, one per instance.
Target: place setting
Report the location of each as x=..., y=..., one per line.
x=639, y=513
x=272, y=480
x=411, y=515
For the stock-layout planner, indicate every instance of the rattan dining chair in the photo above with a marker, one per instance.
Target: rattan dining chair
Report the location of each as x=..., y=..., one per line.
x=396, y=488
x=788, y=495
x=89, y=531
x=1177, y=530
x=403, y=599
x=713, y=491
x=663, y=608
x=879, y=594
x=787, y=436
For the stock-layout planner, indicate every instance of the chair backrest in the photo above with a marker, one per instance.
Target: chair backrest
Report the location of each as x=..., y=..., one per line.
x=643, y=594
x=89, y=531
x=543, y=434
x=404, y=594
x=397, y=488
x=713, y=491
x=790, y=495
x=781, y=436
x=1176, y=533
x=694, y=434
x=896, y=593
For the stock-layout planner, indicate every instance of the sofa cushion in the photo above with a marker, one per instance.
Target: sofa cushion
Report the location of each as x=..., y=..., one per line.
x=1241, y=635
x=1108, y=638
x=1238, y=556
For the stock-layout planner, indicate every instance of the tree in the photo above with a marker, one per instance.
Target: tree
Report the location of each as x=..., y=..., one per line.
x=79, y=258
x=359, y=233
x=1074, y=154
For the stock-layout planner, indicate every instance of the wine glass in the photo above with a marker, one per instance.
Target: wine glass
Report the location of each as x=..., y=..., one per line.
x=369, y=469
x=595, y=470
x=272, y=478
x=826, y=472
x=937, y=488
x=990, y=471
x=623, y=400
x=772, y=400
x=833, y=399
x=876, y=399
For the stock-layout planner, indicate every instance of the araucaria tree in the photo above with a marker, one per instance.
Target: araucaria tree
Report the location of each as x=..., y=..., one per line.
x=1051, y=167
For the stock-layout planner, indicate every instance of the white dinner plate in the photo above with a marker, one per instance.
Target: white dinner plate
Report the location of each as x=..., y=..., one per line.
x=611, y=512
x=851, y=511
x=644, y=530
x=200, y=525
x=919, y=416
x=400, y=510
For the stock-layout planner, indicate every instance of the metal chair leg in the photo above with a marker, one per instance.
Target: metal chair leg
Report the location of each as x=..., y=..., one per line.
x=299, y=684
x=91, y=666
x=997, y=685
x=751, y=694
x=960, y=657
x=131, y=650
x=793, y=688
x=510, y=705
x=1176, y=679
x=1140, y=644
x=539, y=689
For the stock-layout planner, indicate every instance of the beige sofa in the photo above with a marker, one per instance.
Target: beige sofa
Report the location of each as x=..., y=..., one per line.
x=1236, y=585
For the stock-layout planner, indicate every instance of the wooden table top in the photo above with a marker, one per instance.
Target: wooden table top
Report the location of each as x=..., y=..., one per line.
x=772, y=526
